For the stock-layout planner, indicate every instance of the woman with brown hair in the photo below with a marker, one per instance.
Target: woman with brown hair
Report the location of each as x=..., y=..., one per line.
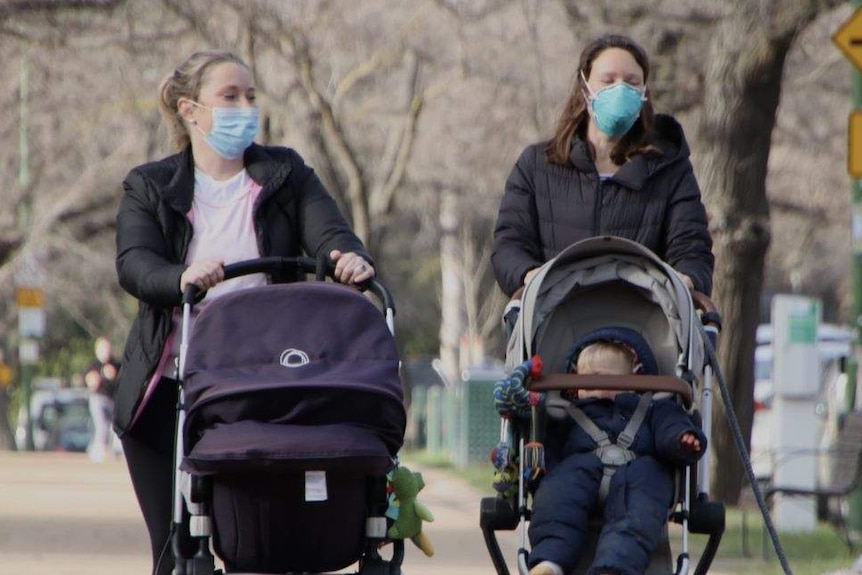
x=613, y=167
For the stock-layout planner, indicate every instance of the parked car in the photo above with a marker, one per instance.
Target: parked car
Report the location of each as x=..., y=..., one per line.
x=834, y=343
x=60, y=416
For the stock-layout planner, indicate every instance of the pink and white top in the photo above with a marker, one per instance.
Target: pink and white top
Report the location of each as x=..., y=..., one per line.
x=222, y=219
x=221, y=216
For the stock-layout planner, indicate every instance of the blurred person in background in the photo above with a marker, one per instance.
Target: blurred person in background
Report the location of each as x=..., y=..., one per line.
x=101, y=381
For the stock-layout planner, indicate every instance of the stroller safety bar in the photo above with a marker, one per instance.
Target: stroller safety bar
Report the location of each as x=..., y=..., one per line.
x=657, y=383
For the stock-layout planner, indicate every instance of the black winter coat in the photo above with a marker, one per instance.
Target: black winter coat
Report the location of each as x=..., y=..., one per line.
x=651, y=199
x=293, y=214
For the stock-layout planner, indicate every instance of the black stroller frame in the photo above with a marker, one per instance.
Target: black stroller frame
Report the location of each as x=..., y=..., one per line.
x=192, y=493
x=506, y=512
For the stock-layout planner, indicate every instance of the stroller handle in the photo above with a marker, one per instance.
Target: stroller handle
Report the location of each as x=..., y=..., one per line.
x=321, y=267
x=708, y=309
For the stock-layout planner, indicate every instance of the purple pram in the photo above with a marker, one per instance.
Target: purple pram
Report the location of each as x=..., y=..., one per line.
x=293, y=416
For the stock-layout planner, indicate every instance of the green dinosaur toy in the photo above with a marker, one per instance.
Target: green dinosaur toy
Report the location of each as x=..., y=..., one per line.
x=410, y=513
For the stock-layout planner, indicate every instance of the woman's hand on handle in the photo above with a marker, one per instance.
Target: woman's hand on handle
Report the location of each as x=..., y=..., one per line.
x=203, y=274
x=351, y=268
x=686, y=280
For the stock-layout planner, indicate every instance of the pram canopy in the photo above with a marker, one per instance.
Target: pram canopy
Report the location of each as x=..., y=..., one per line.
x=311, y=354
x=605, y=281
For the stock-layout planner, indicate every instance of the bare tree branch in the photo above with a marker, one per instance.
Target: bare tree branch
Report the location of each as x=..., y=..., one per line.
x=396, y=165
x=531, y=12
x=17, y=8
x=334, y=136
x=102, y=175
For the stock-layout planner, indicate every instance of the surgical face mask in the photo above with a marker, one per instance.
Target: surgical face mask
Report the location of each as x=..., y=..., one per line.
x=233, y=130
x=616, y=108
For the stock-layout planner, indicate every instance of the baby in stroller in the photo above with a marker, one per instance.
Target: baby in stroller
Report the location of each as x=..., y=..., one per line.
x=618, y=453
x=607, y=353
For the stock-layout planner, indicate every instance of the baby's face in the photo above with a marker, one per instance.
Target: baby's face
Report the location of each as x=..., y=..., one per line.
x=604, y=368
x=609, y=367
x=597, y=393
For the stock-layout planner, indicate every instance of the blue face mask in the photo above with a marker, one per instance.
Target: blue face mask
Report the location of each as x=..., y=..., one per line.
x=615, y=109
x=233, y=130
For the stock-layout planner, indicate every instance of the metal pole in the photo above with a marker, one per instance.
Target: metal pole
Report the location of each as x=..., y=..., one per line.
x=854, y=513
x=23, y=140
x=27, y=388
x=26, y=370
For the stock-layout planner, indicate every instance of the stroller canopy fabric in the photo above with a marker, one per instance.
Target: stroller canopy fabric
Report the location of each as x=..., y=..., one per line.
x=309, y=353
x=602, y=282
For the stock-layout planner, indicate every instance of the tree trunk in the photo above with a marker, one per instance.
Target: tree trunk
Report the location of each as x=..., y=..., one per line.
x=7, y=438
x=452, y=291
x=743, y=86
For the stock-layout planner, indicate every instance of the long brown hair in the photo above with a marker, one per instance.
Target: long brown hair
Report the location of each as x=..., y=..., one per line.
x=575, y=117
x=185, y=82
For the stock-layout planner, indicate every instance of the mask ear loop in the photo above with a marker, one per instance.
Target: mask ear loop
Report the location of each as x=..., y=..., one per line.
x=193, y=122
x=643, y=94
x=588, y=93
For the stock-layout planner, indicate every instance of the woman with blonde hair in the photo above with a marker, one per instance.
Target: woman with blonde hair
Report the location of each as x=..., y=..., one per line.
x=220, y=199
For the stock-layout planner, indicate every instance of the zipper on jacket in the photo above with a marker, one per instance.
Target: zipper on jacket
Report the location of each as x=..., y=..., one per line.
x=188, y=232
x=597, y=209
x=266, y=192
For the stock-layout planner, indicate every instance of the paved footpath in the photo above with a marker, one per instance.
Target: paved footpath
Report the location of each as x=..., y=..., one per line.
x=61, y=514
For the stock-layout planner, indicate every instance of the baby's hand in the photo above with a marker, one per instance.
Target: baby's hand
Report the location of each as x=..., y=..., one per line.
x=689, y=442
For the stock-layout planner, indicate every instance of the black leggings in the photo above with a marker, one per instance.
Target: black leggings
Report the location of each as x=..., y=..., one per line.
x=149, y=451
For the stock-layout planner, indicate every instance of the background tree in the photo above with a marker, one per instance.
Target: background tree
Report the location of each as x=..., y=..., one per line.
x=393, y=103
x=746, y=63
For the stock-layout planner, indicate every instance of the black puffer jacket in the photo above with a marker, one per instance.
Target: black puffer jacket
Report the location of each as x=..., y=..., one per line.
x=651, y=199
x=293, y=214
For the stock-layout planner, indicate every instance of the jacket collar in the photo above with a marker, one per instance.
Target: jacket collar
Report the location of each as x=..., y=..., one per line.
x=265, y=169
x=262, y=167
x=667, y=137
x=180, y=188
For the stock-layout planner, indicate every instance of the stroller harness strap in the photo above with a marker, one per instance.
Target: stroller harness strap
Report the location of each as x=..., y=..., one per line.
x=612, y=455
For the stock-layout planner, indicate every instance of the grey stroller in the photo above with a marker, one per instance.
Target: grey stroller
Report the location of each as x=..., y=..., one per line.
x=594, y=284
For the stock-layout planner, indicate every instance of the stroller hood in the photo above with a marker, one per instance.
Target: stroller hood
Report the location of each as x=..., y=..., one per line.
x=601, y=282
x=309, y=353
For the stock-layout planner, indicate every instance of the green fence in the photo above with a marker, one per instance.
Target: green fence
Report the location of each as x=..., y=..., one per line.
x=460, y=423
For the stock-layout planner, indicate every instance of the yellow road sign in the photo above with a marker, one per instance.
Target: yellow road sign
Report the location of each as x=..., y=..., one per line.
x=30, y=297
x=848, y=38
x=854, y=145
